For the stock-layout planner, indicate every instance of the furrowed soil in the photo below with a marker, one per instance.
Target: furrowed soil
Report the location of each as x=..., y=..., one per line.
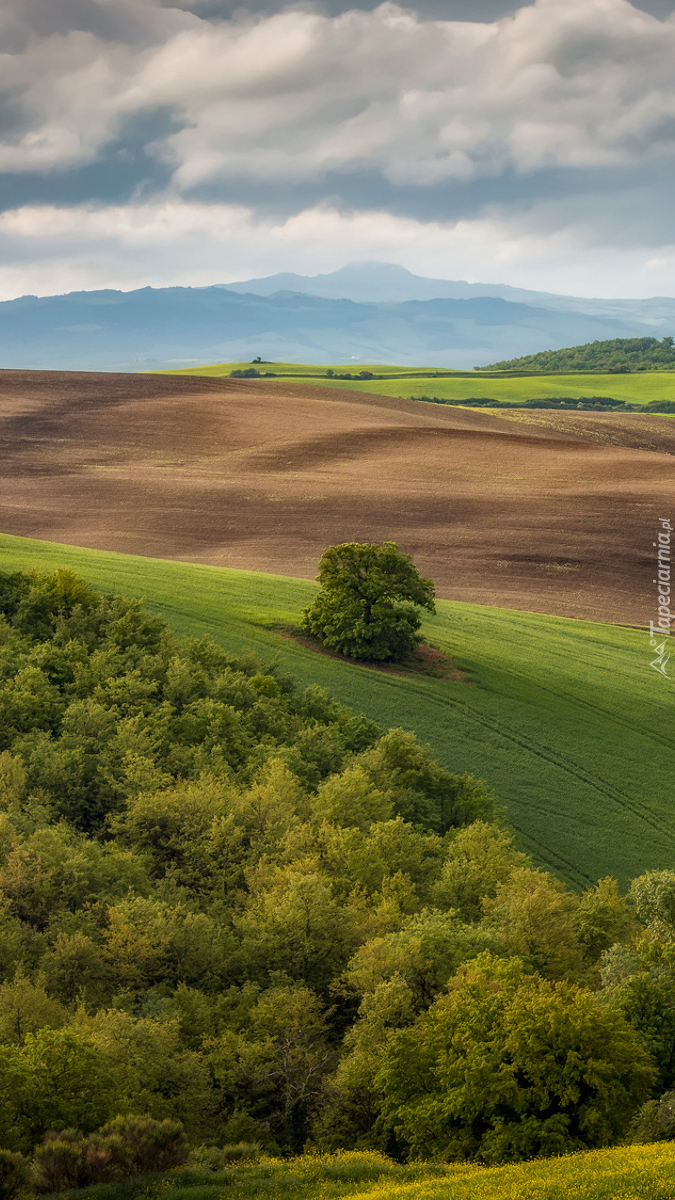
x=545, y=511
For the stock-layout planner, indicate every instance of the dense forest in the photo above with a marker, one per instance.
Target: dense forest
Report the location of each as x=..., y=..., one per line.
x=617, y=356
x=231, y=902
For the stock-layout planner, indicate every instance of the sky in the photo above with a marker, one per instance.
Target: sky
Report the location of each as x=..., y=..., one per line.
x=193, y=142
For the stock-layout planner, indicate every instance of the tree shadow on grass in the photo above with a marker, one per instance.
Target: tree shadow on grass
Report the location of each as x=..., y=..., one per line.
x=425, y=659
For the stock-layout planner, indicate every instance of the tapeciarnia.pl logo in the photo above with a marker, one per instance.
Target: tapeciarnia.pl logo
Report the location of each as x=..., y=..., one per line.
x=659, y=630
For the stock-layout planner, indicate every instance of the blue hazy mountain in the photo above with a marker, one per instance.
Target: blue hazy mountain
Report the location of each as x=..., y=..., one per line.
x=165, y=327
x=373, y=282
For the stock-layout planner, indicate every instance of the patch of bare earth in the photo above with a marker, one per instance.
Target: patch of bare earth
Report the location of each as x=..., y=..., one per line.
x=425, y=659
x=548, y=511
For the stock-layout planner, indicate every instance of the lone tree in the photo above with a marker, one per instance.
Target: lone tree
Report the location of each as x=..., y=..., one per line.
x=368, y=604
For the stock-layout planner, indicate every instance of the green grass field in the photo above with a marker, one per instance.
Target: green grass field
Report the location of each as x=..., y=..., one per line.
x=302, y=370
x=626, y=1173
x=564, y=718
x=640, y=388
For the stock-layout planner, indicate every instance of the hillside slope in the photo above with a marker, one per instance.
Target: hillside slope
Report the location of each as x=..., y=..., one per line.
x=553, y=516
x=632, y=1171
x=618, y=355
x=563, y=718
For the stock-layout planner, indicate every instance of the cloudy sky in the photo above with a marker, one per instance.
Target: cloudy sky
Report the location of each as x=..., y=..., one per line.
x=203, y=141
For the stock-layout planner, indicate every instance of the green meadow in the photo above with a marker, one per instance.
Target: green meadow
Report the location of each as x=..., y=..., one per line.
x=632, y=389
x=565, y=719
x=414, y=382
x=305, y=370
x=629, y=1173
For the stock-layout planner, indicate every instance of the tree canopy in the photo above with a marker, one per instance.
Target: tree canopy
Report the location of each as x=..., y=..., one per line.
x=368, y=604
x=230, y=902
x=615, y=355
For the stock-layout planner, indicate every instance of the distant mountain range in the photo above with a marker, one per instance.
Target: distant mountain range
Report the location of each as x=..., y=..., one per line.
x=364, y=313
x=376, y=282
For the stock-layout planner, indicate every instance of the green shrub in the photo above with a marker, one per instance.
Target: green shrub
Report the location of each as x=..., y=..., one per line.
x=60, y=1162
x=138, y=1146
x=655, y=1121
x=127, y=1146
x=14, y=1174
x=218, y=1158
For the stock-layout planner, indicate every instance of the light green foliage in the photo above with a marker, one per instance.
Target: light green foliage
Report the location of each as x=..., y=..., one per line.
x=602, y=918
x=367, y=607
x=425, y=952
x=350, y=799
x=57, y=1078
x=154, y=1073
x=559, y=715
x=510, y=1066
x=226, y=895
x=534, y=915
x=639, y=976
x=26, y=1007
x=479, y=859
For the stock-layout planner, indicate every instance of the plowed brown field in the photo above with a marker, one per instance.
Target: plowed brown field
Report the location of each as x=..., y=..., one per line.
x=552, y=512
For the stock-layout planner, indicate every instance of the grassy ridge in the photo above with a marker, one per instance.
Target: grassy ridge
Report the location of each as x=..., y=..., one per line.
x=300, y=370
x=632, y=1172
x=639, y=388
x=564, y=718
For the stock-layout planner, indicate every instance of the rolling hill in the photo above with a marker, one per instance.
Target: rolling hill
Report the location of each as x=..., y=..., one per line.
x=563, y=718
x=618, y=355
x=552, y=512
x=637, y=388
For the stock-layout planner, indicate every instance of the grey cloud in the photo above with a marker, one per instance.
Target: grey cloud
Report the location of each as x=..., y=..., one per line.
x=299, y=96
x=561, y=118
x=128, y=22
x=123, y=170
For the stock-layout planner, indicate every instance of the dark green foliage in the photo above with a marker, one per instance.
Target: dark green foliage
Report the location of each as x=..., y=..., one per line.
x=368, y=604
x=509, y=1066
x=618, y=355
x=14, y=1174
x=127, y=1146
x=660, y=406
x=584, y=403
x=330, y=374
x=252, y=373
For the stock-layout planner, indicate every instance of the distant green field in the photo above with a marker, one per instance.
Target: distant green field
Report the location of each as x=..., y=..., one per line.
x=302, y=370
x=633, y=389
x=639, y=388
x=624, y=1173
x=564, y=718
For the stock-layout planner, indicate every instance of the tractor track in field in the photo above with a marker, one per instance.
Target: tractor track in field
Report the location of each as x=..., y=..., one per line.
x=536, y=750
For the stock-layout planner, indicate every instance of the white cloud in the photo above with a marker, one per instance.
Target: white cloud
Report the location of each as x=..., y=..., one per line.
x=567, y=83
x=283, y=100
x=47, y=250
